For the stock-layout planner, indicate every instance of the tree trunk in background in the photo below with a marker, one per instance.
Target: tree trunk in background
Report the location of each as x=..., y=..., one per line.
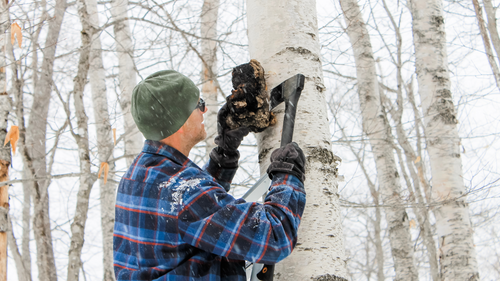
x=126, y=76
x=5, y=160
x=486, y=41
x=23, y=274
x=419, y=201
x=377, y=222
x=16, y=92
x=209, y=15
x=104, y=141
x=283, y=36
x=5, y=157
x=82, y=140
x=35, y=163
x=377, y=128
x=455, y=233
x=414, y=165
x=379, y=251
x=492, y=26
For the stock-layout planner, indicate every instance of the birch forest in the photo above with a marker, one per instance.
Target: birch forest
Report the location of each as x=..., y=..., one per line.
x=399, y=120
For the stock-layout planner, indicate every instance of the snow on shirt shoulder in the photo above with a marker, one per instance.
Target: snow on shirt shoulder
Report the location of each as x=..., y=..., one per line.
x=178, y=188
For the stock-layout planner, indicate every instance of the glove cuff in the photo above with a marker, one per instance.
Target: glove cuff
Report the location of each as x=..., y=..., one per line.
x=286, y=168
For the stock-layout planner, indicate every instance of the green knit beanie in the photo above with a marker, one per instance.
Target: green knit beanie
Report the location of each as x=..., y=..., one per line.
x=162, y=103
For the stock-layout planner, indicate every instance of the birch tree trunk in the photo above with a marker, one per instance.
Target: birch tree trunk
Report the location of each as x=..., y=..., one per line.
x=455, y=233
x=35, y=161
x=209, y=15
x=486, y=41
x=420, y=203
x=126, y=76
x=492, y=26
x=379, y=252
x=376, y=127
x=5, y=160
x=23, y=266
x=104, y=141
x=283, y=36
x=16, y=92
x=82, y=139
x=5, y=157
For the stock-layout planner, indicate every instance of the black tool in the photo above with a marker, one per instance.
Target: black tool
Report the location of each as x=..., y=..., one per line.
x=289, y=92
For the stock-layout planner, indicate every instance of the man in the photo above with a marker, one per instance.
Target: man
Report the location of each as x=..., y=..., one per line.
x=176, y=221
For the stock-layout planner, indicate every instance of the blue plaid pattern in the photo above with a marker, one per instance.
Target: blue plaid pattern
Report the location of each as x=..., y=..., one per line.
x=175, y=221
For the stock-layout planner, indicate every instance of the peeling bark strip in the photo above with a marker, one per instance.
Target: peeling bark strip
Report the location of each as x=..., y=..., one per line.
x=282, y=36
x=455, y=233
x=377, y=128
x=249, y=101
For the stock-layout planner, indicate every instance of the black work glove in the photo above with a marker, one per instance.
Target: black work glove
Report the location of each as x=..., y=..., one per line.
x=289, y=160
x=226, y=153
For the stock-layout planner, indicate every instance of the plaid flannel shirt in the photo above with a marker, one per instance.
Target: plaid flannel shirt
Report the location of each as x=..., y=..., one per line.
x=175, y=221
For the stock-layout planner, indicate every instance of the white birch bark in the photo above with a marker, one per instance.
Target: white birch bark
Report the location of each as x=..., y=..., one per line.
x=455, y=233
x=126, y=76
x=376, y=127
x=5, y=156
x=82, y=139
x=5, y=160
x=283, y=37
x=35, y=161
x=208, y=27
x=104, y=141
x=420, y=203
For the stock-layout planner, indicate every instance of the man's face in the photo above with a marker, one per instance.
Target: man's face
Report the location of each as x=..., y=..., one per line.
x=194, y=126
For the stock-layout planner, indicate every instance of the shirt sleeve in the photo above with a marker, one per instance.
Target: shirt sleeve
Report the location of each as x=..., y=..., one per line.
x=222, y=176
x=216, y=222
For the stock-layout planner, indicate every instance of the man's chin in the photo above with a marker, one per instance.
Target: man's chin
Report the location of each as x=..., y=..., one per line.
x=203, y=136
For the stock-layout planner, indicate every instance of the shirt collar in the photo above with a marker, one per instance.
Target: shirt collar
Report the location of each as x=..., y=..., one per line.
x=156, y=147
